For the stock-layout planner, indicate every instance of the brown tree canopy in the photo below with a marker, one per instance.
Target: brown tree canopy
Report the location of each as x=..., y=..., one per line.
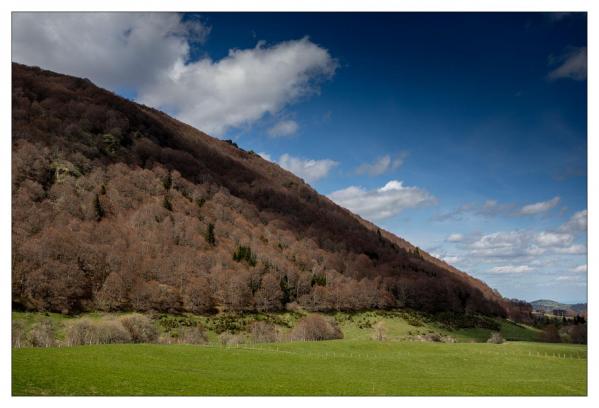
x=117, y=206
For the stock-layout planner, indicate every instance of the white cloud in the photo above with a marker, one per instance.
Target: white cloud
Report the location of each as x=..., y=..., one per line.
x=455, y=238
x=113, y=49
x=568, y=278
x=580, y=269
x=576, y=223
x=501, y=244
x=283, y=128
x=310, y=170
x=489, y=209
x=522, y=243
x=149, y=52
x=381, y=165
x=573, y=65
x=242, y=87
x=576, y=249
x=383, y=202
x=265, y=156
x=451, y=259
x=539, y=207
x=553, y=239
x=515, y=269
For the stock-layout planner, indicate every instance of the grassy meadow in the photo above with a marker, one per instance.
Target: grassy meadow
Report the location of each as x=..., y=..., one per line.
x=355, y=365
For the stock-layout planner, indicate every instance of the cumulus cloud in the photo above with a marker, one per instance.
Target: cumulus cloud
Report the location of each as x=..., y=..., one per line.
x=576, y=223
x=553, y=239
x=113, y=49
x=522, y=243
x=381, y=165
x=511, y=269
x=580, y=269
x=310, y=170
x=502, y=244
x=240, y=88
x=539, y=207
x=572, y=65
x=283, y=128
x=383, y=202
x=455, y=238
x=150, y=52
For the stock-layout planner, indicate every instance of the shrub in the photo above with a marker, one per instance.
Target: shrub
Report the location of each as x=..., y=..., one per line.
x=81, y=332
x=19, y=334
x=193, y=335
x=578, y=334
x=551, y=334
x=414, y=321
x=496, y=338
x=229, y=339
x=140, y=328
x=263, y=332
x=42, y=334
x=434, y=337
x=112, y=331
x=316, y=327
x=86, y=331
x=380, y=331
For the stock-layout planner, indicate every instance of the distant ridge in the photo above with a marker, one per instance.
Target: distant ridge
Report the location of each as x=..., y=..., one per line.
x=549, y=305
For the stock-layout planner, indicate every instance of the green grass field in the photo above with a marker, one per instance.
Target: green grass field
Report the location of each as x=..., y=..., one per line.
x=356, y=365
x=340, y=367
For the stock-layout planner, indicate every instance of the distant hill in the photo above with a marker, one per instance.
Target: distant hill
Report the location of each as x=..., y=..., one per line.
x=549, y=305
x=117, y=206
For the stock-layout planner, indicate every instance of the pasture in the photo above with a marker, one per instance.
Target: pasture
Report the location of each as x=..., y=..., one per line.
x=339, y=367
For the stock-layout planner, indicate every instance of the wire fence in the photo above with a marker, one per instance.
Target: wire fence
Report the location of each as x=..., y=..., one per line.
x=269, y=347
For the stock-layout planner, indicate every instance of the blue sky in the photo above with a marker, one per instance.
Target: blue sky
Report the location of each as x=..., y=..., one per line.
x=465, y=133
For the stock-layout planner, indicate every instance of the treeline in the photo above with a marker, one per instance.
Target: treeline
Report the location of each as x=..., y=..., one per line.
x=118, y=207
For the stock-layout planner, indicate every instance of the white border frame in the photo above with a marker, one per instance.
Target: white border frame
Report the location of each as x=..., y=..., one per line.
x=7, y=6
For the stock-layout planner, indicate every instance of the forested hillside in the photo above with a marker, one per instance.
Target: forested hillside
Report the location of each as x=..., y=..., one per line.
x=117, y=206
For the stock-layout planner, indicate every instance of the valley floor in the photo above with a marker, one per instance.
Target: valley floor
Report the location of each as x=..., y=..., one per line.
x=338, y=367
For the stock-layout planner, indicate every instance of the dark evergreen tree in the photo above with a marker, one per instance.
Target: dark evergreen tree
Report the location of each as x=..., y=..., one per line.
x=167, y=203
x=210, y=235
x=99, y=209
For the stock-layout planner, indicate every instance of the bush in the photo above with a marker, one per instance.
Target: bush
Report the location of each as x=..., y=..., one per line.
x=578, y=334
x=228, y=339
x=496, y=338
x=140, y=328
x=193, y=335
x=316, y=327
x=42, y=334
x=380, y=331
x=551, y=334
x=434, y=337
x=81, y=332
x=414, y=321
x=87, y=331
x=112, y=331
x=19, y=334
x=263, y=332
